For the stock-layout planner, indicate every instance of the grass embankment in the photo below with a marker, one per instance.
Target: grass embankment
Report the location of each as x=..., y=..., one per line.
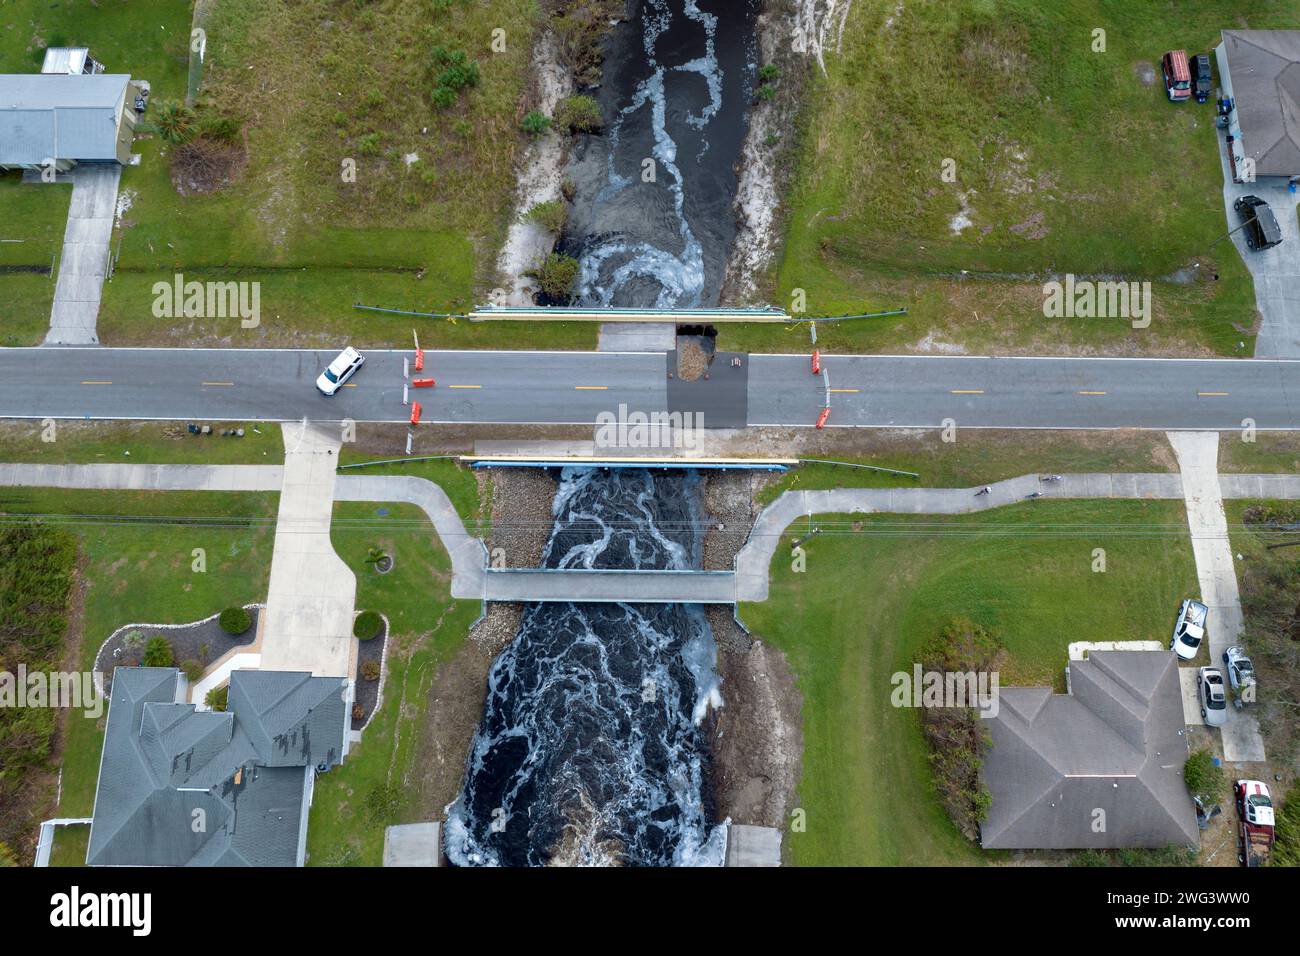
x=141, y=570
x=977, y=457
x=1271, y=453
x=415, y=228
x=354, y=803
x=152, y=443
x=870, y=599
x=1065, y=161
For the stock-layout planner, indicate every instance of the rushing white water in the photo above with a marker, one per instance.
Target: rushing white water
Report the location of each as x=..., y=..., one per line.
x=658, y=249
x=589, y=751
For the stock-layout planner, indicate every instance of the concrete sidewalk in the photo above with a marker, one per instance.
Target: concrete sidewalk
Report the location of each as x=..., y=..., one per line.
x=84, y=262
x=134, y=477
x=311, y=595
x=1198, y=457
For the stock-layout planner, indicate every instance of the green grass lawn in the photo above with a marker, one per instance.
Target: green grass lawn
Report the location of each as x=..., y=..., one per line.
x=417, y=235
x=140, y=571
x=979, y=456
x=1067, y=163
x=458, y=481
x=148, y=443
x=1271, y=453
x=32, y=220
x=70, y=845
x=869, y=600
x=353, y=803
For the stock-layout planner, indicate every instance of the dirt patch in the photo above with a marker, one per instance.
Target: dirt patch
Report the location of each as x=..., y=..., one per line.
x=1145, y=73
x=729, y=503
x=757, y=737
x=455, y=708
x=692, y=360
x=1035, y=227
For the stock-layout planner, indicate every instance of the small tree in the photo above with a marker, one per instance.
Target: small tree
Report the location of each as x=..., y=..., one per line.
x=158, y=652
x=217, y=698
x=1203, y=777
x=235, y=620
x=175, y=122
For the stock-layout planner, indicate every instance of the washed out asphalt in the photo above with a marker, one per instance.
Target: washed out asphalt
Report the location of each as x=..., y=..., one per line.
x=512, y=387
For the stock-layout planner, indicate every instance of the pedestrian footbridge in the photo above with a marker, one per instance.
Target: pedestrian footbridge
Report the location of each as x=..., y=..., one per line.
x=610, y=586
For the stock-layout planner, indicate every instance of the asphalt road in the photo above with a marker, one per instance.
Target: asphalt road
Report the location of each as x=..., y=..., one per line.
x=574, y=387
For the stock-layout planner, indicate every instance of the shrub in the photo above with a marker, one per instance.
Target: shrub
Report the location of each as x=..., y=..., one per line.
x=158, y=652
x=192, y=670
x=133, y=642
x=535, y=123
x=358, y=712
x=219, y=127
x=7, y=857
x=549, y=215
x=556, y=273
x=217, y=698
x=768, y=72
x=368, y=145
x=367, y=625
x=579, y=114
x=453, y=71
x=370, y=670
x=174, y=122
x=235, y=620
x=767, y=91
x=1203, y=777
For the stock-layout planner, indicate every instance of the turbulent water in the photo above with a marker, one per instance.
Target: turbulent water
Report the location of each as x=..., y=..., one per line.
x=678, y=77
x=589, y=751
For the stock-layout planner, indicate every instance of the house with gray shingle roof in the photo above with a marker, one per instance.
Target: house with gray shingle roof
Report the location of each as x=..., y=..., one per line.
x=1098, y=767
x=66, y=118
x=1259, y=70
x=184, y=787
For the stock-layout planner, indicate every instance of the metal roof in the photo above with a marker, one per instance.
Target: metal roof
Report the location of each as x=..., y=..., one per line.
x=59, y=116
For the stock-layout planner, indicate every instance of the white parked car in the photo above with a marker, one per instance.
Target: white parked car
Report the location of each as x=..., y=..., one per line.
x=1189, y=629
x=1213, y=695
x=340, y=370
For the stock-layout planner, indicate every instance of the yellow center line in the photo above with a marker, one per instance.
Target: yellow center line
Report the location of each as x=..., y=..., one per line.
x=846, y=390
x=1091, y=393
x=464, y=386
x=967, y=391
x=592, y=388
x=345, y=384
x=219, y=383
x=96, y=383
x=1211, y=393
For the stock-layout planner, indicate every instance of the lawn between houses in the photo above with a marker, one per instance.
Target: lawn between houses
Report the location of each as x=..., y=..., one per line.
x=1066, y=161
x=314, y=87
x=152, y=443
x=870, y=599
x=353, y=803
x=135, y=565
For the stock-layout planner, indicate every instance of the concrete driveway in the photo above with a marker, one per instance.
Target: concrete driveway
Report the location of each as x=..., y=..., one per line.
x=1276, y=270
x=84, y=261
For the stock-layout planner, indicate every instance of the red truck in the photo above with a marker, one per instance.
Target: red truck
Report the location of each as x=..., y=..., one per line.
x=1254, y=822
